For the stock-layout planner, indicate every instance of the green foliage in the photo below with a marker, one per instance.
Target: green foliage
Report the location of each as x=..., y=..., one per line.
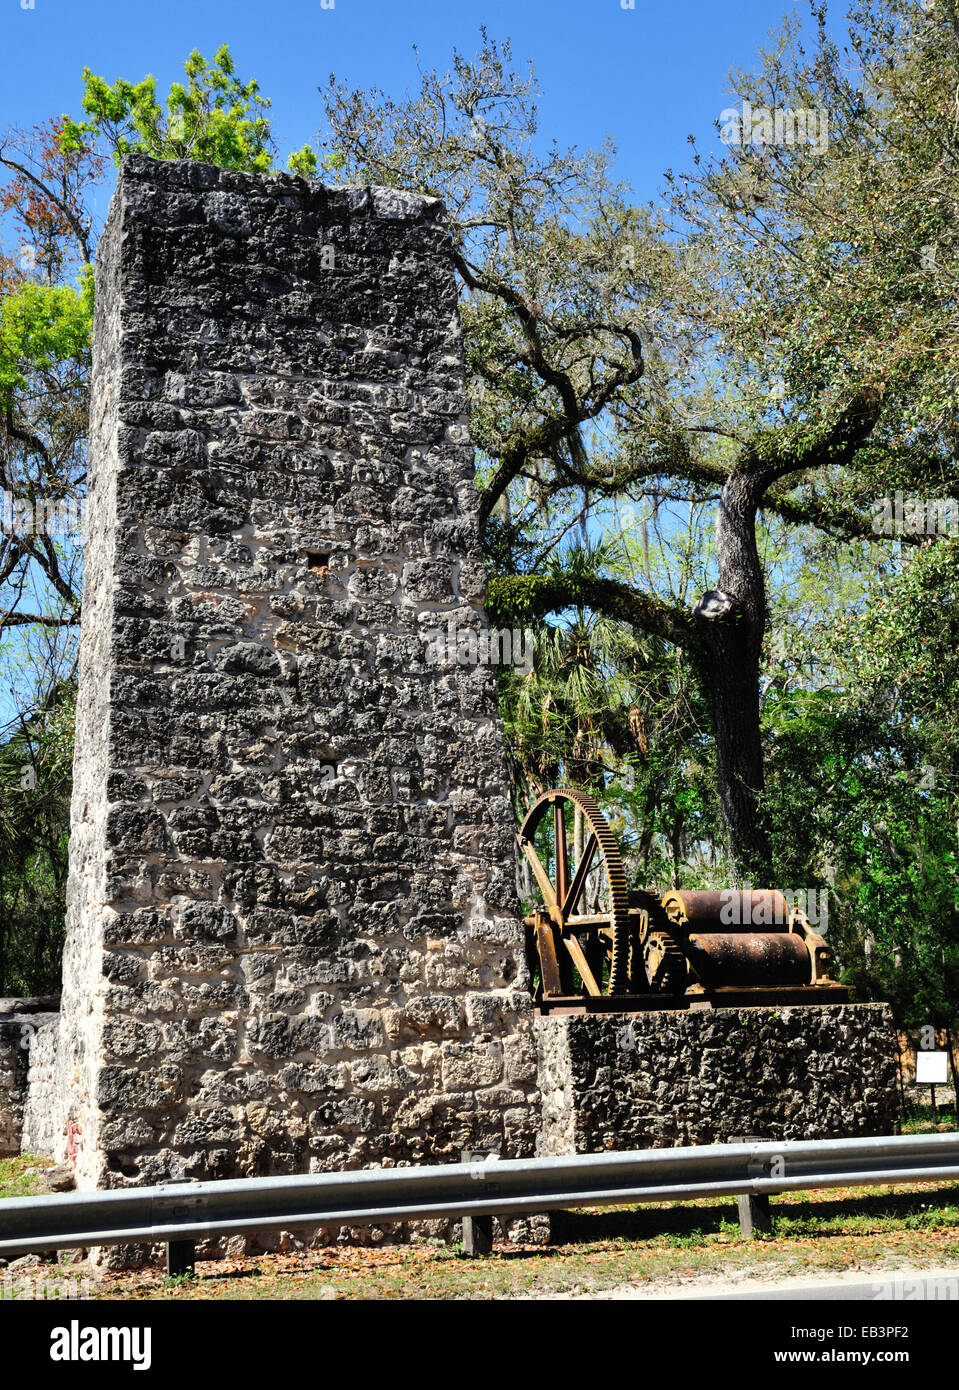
x=35, y=782
x=898, y=792
x=615, y=712
x=303, y=162
x=855, y=803
x=41, y=326
x=215, y=118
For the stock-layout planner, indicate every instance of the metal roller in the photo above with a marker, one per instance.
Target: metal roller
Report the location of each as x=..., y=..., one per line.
x=754, y=958
x=729, y=909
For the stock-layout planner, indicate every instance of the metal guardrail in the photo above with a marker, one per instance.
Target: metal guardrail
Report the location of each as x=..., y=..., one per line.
x=182, y=1213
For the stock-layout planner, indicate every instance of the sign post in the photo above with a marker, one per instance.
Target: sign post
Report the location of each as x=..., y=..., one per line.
x=932, y=1069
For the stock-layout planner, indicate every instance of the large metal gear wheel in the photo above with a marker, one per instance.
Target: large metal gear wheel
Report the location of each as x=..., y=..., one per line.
x=564, y=932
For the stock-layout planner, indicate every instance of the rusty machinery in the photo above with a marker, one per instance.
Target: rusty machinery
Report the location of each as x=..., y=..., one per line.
x=594, y=944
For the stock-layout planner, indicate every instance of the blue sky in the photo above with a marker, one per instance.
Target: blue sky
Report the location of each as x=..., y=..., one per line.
x=648, y=76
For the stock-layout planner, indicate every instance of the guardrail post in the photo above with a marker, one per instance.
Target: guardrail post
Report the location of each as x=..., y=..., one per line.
x=478, y=1230
x=754, y=1209
x=180, y=1258
x=477, y=1235
x=754, y=1214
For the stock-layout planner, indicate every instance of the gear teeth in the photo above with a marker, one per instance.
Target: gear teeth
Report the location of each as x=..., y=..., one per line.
x=615, y=875
x=669, y=976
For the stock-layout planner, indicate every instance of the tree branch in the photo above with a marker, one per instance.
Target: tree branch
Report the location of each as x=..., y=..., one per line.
x=75, y=223
x=40, y=619
x=519, y=597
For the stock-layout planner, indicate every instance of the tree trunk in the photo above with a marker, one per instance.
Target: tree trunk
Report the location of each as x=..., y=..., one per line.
x=676, y=844
x=731, y=621
x=952, y=1066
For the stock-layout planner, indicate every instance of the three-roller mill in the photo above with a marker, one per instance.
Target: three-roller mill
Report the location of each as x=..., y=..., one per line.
x=594, y=944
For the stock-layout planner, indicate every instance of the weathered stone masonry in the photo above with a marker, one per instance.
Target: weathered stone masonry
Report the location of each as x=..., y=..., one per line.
x=292, y=935
x=28, y=1035
x=659, y=1080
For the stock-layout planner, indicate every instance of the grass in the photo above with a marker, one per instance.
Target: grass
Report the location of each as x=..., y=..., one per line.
x=19, y=1177
x=919, y=1119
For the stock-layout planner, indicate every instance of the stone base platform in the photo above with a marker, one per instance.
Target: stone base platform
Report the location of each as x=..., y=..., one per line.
x=661, y=1080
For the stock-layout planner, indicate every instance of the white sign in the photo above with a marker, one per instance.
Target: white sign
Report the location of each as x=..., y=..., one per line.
x=932, y=1068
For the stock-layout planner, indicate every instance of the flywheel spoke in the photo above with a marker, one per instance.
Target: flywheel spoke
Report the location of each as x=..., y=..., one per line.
x=562, y=857
x=543, y=879
x=579, y=878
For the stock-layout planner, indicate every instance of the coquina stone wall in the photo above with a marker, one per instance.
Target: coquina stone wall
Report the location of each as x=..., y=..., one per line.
x=292, y=932
x=13, y=1084
x=39, y=1136
x=28, y=1037
x=658, y=1080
